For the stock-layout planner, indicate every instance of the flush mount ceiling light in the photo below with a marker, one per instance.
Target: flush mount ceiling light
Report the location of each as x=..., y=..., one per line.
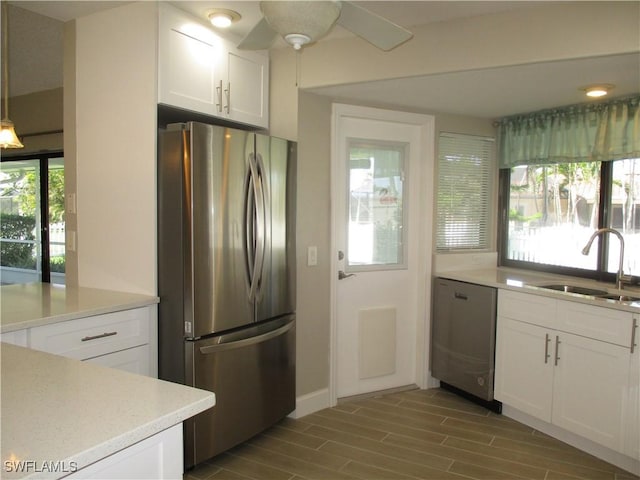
x=223, y=18
x=8, y=137
x=595, y=91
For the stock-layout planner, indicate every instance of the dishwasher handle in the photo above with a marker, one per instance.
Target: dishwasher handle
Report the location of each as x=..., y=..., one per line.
x=460, y=296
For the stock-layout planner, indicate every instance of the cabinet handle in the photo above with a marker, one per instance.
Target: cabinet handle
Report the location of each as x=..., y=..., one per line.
x=557, y=350
x=633, y=334
x=547, y=339
x=219, y=95
x=95, y=337
x=227, y=93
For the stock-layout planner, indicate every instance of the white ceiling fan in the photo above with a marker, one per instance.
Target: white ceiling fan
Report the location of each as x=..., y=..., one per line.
x=304, y=22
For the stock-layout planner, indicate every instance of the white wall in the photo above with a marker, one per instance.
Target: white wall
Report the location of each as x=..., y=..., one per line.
x=114, y=150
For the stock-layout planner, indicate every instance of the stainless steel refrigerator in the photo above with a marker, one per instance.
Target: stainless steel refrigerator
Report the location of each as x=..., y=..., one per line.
x=226, y=278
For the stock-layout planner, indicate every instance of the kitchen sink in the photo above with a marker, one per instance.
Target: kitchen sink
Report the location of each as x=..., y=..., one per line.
x=575, y=289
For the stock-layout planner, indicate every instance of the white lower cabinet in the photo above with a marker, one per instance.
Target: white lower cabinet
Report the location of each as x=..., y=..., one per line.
x=590, y=388
x=126, y=340
x=632, y=436
x=159, y=456
x=565, y=378
x=524, y=374
x=134, y=360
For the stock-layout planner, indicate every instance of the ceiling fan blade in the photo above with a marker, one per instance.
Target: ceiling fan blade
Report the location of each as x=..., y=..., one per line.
x=373, y=28
x=259, y=38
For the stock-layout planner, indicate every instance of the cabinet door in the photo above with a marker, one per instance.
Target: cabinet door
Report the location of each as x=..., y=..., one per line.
x=590, y=388
x=191, y=61
x=246, y=94
x=524, y=367
x=632, y=421
x=158, y=456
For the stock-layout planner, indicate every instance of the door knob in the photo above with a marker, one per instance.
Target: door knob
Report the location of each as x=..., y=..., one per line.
x=342, y=275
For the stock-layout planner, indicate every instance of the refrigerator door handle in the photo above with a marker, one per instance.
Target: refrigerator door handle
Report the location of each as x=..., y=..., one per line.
x=255, y=228
x=261, y=213
x=233, y=344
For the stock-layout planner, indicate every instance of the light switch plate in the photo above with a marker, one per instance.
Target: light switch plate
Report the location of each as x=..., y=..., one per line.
x=312, y=256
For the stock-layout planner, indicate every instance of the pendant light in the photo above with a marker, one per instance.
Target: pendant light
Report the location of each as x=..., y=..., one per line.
x=8, y=137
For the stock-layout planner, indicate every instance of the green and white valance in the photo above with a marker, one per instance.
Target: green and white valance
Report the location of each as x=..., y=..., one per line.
x=579, y=133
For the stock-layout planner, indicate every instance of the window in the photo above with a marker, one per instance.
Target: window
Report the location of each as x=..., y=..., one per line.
x=552, y=210
x=32, y=235
x=565, y=173
x=464, y=192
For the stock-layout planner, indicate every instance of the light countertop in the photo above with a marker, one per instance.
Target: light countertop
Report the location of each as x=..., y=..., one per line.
x=530, y=282
x=34, y=304
x=58, y=409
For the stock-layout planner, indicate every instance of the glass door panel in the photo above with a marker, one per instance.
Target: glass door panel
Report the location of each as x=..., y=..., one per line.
x=56, y=219
x=376, y=213
x=20, y=255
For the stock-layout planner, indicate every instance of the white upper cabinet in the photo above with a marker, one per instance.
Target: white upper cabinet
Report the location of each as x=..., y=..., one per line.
x=200, y=71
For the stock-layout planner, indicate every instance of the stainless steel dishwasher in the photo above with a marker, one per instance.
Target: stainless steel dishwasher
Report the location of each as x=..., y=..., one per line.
x=463, y=333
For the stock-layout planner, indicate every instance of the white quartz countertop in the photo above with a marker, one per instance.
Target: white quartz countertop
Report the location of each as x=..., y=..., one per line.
x=56, y=409
x=34, y=304
x=530, y=282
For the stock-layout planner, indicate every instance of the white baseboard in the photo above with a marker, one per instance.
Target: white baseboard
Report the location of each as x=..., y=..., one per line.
x=311, y=402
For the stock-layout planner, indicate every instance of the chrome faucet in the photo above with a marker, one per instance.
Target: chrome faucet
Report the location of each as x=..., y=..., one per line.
x=621, y=278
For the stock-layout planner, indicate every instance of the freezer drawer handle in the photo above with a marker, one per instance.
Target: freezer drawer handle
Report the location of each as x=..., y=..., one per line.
x=95, y=337
x=221, y=347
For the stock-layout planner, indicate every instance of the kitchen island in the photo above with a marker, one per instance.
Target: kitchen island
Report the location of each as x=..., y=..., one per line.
x=62, y=416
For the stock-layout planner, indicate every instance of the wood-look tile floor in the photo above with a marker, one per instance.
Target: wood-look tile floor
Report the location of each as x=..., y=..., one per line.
x=416, y=434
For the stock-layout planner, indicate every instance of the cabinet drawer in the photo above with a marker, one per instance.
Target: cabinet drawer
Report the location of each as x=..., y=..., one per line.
x=134, y=360
x=93, y=336
x=528, y=308
x=605, y=324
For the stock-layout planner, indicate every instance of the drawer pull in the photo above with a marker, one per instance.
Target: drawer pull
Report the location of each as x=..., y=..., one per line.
x=95, y=337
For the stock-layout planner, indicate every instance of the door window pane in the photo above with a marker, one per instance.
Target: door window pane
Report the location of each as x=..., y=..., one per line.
x=56, y=220
x=376, y=182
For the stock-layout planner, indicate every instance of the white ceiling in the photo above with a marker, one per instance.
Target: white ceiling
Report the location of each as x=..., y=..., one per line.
x=36, y=59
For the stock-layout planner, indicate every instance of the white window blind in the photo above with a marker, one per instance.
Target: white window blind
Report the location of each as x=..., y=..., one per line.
x=464, y=186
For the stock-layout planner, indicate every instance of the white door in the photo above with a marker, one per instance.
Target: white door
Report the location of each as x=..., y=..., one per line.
x=382, y=245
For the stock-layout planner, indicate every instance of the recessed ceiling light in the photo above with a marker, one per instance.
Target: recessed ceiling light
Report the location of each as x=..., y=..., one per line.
x=223, y=18
x=596, y=91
